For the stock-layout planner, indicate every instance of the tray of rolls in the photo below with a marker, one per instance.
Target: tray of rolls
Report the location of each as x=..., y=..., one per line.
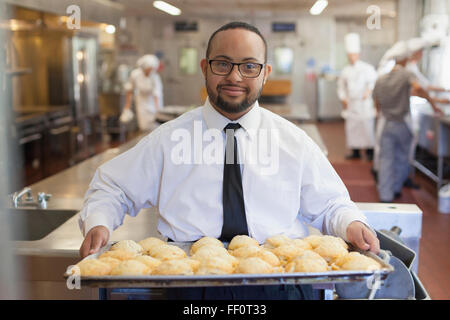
x=153, y=262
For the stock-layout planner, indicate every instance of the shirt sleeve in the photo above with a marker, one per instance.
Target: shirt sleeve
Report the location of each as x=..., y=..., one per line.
x=325, y=203
x=371, y=77
x=125, y=184
x=131, y=83
x=341, y=87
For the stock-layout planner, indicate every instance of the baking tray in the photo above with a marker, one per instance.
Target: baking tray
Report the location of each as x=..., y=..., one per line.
x=156, y=281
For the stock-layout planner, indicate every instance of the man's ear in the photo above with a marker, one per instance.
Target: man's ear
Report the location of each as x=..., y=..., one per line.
x=267, y=71
x=204, y=66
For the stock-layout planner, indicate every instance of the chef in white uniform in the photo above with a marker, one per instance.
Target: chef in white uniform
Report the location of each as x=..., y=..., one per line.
x=355, y=87
x=145, y=88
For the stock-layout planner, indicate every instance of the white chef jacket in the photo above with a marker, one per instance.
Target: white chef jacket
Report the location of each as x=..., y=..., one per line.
x=304, y=188
x=360, y=114
x=146, y=88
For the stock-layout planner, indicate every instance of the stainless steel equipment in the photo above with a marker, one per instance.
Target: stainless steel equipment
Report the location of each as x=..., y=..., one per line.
x=434, y=138
x=328, y=107
x=407, y=217
x=400, y=284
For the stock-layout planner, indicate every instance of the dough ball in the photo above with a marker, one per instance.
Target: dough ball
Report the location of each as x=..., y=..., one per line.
x=357, y=261
x=278, y=240
x=205, y=241
x=242, y=241
x=150, y=243
x=215, y=265
x=118, y=254
x=253, y=265
x=112, y=262
x=130, y=268
x=93, y=267
x=150, y=262
x=168, y=252
x=309, y=261
x=287, y=252
x=175, y=267
x=127, y=245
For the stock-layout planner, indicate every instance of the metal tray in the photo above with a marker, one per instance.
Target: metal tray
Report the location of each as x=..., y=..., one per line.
x=154, y=281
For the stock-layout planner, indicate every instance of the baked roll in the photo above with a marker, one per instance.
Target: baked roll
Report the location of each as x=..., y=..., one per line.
x=127, y=245
x=149, y=244
x=253, y=265
x=277, y=241
x=130, y=268
x=150, y=262
x=215, y=265
x=308, y=261
x=176, y=267
x=118, y=254
x=205, y=241
x=93, y=267
x=287, y=252
x=330, y=250
x=168, y=252
x=206, y=252
x=242, y=241
x=112, y=262
x=357, y=261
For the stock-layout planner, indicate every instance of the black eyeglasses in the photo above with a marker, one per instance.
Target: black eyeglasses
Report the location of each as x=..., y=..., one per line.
x=246, y=69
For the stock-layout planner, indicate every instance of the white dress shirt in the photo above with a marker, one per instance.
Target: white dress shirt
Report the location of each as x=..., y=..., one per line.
x=287, y=185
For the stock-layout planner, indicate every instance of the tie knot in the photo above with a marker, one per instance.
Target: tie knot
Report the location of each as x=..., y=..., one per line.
x=232, y=126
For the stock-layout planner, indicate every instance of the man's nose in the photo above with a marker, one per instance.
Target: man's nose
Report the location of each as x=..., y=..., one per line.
x=235, y=74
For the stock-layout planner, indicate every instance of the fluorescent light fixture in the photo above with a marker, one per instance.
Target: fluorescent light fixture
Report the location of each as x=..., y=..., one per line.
x=167, y=8
x=318, y=7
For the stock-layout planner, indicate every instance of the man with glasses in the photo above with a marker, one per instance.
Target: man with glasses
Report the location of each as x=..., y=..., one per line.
x=232, y=196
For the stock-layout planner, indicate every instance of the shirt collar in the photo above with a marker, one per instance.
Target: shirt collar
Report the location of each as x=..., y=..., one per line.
x=250, y=121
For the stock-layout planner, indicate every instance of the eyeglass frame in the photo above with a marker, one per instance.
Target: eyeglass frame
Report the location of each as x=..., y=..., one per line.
x=239, y=69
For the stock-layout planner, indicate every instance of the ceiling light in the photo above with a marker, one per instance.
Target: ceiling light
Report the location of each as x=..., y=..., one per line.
x=167, y=8
x=318, y=7
x=110, y=29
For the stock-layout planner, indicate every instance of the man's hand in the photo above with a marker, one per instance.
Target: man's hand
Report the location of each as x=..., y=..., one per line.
x=362, y=237
x=96, y=238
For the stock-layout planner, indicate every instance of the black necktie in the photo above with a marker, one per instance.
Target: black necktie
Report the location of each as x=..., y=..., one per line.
x=234, y=221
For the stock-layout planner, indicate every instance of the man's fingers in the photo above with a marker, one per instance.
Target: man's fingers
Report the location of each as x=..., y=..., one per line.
x=372, y=240
x=86, y=246
x=360, y=241
x=96, y=243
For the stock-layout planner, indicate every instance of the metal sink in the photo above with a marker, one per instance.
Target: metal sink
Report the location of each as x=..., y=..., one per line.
x=34, y=224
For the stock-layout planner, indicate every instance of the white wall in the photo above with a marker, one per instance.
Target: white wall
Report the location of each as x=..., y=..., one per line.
x=319, y=37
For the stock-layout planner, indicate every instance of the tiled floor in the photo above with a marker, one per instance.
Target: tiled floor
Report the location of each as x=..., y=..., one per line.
x=434, y=262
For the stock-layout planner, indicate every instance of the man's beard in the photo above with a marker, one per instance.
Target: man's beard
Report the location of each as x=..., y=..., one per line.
x=232, y=107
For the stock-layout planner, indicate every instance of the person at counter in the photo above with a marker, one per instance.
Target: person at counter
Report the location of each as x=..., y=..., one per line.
x=392, y=99
x=147, y=86
x=296, y=186
x=416, y=47
x=355, y=86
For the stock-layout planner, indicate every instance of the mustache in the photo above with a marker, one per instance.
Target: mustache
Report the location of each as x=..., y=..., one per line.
x=220, y=86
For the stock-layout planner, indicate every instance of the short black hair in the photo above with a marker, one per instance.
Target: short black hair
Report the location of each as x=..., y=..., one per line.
x=237, y=25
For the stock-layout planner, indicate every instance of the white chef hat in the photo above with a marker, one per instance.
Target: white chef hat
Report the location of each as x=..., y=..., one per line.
x=398, y=51
x=416, y=44
x=352, y=43
x=148, y=61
